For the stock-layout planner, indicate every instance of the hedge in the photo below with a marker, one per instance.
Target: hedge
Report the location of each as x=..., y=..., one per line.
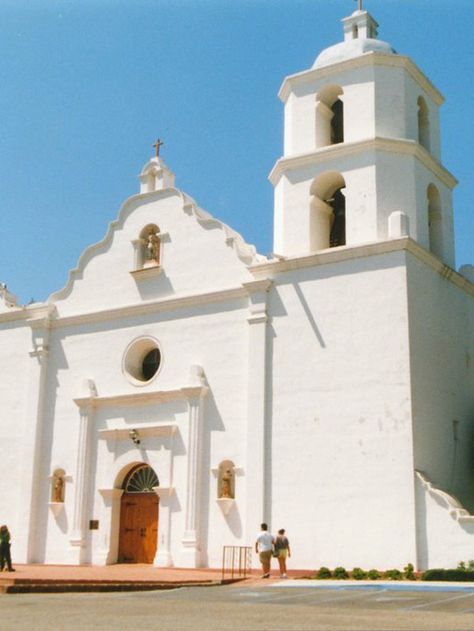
x=441, y=574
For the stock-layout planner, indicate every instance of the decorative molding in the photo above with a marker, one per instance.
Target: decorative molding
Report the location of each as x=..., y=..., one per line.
x=451, y=503
x=146, y=272
x=143, y=431
x=35, y=315
x=346, y=253
x=370, y=58
x=391, y=145
x=152, y=307
x=140, y=398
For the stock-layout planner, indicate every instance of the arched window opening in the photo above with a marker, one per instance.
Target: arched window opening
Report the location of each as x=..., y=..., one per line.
x=337, y=122
x=435, y=221
x=329, y=123
x=150, y=246
x=338, y=227
x=328, y=211
x=423, y=124
x=355, y=32
x=140, y=479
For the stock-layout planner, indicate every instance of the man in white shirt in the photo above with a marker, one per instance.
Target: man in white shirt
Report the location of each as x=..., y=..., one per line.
x=264, y=548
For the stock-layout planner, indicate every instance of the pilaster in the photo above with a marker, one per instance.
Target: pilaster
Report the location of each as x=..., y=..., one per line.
x=78, y=532
x=33, y=440
x=191, y=551
x=256, y=406
x=163, y=556
x=109, y=527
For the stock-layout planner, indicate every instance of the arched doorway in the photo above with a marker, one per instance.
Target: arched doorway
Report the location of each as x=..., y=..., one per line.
x=139, y=516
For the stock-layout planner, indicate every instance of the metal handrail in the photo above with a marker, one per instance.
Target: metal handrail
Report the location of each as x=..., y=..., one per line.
x=236, y=561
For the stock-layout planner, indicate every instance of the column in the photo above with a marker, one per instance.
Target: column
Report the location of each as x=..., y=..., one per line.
x=32, y=445
x=109, y=527
x=257, y=446
x=190, y=552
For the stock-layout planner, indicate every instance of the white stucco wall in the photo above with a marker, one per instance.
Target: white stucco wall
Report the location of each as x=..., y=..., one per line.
x=441, y=345
x=340, y=440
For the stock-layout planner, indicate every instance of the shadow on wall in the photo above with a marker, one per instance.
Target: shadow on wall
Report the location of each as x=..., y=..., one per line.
x=155, y=287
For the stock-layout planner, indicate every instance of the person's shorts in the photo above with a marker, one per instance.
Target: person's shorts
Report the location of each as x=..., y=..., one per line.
x=283, y=553
x=265, y=556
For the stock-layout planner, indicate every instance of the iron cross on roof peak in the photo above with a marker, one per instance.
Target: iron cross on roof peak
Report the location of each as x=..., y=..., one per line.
x=157, y=146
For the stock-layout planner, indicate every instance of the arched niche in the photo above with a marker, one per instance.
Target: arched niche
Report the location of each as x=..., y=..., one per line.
x=226, y=480
x=435, y=221
x=328, y=211
x=423, y=123
x=148, y=247
x=58, y=486
x=329, y=123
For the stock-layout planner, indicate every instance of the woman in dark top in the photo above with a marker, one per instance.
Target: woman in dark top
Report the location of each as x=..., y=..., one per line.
x=282, y=550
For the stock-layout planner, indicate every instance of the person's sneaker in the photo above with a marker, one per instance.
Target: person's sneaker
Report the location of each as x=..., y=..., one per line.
x=266, y=575
x=284, y=575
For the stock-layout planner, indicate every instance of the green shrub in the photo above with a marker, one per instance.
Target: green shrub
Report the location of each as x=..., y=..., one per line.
x=409, y=573
x=393, y=575
x=440, y=574
x=470, y=564
x=323, y=572
x=358, y=574
x=340, y=573
x=461, y=566
x=373, y=575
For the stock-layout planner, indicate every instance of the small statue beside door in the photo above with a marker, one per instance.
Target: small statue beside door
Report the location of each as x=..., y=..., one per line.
x=57, y=487
x=226, y=480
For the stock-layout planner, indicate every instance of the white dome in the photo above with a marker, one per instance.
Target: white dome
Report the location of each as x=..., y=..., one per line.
x=351, y=49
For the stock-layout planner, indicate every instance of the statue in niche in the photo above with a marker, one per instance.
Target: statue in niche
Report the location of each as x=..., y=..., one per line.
x=57, y=490
x=226, y=481
x=152, y=248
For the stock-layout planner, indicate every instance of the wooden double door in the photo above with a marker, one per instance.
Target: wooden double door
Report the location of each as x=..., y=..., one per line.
x=138, y=538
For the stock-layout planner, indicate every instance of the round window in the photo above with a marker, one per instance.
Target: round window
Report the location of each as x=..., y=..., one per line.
x=142, y=360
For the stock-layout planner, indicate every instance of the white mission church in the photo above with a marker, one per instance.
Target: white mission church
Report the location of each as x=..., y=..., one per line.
x=181, y=388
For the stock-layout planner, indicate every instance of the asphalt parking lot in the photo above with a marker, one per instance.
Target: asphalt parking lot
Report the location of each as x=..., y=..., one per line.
x=243, y=607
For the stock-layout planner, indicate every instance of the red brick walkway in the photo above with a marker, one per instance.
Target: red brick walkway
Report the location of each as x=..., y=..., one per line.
x=119, y=574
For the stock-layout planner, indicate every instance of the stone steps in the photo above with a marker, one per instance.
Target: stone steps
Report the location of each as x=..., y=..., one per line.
x=51, y=586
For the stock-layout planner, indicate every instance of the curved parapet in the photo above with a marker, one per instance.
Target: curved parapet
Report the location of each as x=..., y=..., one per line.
x=445, y=529
x=163, y=208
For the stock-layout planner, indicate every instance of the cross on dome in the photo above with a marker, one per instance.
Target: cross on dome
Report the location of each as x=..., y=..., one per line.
x=157, y=146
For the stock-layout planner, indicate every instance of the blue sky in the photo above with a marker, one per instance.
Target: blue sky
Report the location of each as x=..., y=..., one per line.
x=88, y=85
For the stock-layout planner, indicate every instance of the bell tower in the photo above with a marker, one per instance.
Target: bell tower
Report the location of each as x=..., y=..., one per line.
x=361, y=159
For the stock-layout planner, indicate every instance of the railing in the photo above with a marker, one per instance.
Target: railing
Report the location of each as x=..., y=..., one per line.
x=236, y=561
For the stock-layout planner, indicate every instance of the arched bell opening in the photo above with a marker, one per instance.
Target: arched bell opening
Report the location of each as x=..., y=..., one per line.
x=329, y=124
x=328, y=211
x=423, y=123
x=435, y=221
